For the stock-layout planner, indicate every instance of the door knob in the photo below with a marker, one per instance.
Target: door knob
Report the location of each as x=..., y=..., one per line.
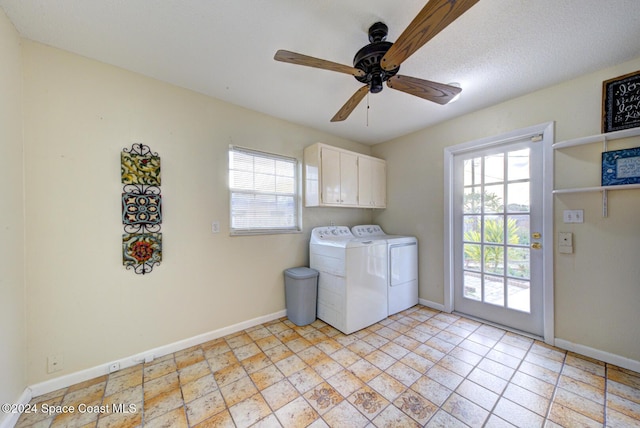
x=536, y=245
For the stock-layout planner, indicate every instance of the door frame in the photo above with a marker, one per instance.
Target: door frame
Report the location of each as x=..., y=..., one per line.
x=546, y=132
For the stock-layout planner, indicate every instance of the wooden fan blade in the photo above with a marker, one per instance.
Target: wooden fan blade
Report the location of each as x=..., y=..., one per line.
x=432, y=19
x=348, y=107
x=309, y=61
x=432, y=91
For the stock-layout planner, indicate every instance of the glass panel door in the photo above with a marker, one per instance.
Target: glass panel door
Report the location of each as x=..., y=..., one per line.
x=497, y=270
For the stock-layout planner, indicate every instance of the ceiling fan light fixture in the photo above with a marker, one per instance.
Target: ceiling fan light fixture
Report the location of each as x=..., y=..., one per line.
x=376, y=83
x=368, y=59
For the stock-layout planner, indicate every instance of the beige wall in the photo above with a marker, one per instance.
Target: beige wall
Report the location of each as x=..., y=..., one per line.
x=82, y=303
x=597, y=289
x=12, y=302
x=79, y=114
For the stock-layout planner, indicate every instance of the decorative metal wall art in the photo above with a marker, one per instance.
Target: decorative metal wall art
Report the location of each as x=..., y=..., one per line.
x=141, y=209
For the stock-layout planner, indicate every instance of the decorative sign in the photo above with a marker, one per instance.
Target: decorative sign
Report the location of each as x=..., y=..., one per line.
x=621, y=102
x=141, y=209
x=621, y=167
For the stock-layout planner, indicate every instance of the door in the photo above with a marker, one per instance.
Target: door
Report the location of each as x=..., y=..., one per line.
x=497, y=234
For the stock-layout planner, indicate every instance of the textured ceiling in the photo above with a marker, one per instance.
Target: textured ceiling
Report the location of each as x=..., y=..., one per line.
x=497, y=50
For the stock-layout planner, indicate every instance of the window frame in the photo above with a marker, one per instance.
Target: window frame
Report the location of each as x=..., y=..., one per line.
x=247, y=231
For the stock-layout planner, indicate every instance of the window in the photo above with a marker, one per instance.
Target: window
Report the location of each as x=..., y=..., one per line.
x=263, y=192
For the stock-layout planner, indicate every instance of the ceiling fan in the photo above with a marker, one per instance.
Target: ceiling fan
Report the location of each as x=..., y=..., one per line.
x=380, y=60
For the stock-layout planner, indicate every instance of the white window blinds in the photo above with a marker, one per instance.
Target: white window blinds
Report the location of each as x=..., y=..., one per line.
x=263, y=191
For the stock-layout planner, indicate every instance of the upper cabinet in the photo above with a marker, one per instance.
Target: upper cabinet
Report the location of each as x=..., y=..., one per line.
x=340, y=178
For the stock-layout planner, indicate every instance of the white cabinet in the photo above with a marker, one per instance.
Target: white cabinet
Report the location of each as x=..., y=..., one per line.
x=340, y=178
x=372, y=182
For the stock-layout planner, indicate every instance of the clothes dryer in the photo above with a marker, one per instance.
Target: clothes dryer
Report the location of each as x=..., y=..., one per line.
x=352, y=280
x=402, y=266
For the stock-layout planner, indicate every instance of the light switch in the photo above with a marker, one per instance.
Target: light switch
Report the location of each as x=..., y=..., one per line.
x=578, y=216
x=573, y=216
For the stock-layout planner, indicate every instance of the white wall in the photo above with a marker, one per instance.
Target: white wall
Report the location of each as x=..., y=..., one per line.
x=82, y=303
x=12, y=302
x=597, y=289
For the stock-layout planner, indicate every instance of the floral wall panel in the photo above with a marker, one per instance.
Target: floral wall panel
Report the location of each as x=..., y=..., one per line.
x=140, y=168
x=141, y=209
x=141, y=251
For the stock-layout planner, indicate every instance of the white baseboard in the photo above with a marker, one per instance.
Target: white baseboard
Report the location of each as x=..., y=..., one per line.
x=607, y=357
x=11, y=419
x=432, y=305
x=97, y=371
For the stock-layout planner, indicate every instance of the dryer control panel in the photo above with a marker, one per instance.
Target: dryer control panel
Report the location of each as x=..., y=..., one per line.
x=366, y=230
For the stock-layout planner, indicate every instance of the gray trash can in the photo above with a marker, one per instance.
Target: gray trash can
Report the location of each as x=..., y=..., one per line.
x=301, y=293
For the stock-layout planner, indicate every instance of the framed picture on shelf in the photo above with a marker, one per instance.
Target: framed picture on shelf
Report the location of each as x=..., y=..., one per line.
x=621, y=167
x=621, y=102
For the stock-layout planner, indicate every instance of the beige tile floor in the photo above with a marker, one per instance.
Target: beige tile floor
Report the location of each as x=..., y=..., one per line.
x=417, y=368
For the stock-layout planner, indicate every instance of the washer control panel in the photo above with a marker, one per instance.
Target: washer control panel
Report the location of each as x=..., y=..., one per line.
x=332, y=233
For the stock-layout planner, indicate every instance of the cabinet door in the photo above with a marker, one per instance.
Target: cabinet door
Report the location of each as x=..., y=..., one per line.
x=330, y=170
x=348, y=179
x=372, y=182
x=379, y=183
x=365, y=185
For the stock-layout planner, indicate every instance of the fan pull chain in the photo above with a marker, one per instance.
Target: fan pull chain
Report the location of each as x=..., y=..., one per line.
x=367, y=109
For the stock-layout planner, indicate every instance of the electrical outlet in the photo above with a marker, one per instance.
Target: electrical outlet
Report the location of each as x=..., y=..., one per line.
x=215, y=226
x=54, y=363
x=114, y=367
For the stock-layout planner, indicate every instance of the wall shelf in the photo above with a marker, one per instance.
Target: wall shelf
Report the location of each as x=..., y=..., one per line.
x=595, y=189
x=599, y=138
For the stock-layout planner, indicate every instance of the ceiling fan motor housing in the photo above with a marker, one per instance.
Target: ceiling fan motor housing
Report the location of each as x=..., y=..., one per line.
x=368, y=58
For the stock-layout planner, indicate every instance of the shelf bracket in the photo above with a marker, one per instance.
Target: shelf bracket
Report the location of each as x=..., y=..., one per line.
x=605, y=200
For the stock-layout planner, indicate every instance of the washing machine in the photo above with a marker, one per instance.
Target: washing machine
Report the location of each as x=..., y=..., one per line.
x=402, y=266
x=352, y=280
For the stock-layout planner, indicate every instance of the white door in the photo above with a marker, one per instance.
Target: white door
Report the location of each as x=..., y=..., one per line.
x=497, y=232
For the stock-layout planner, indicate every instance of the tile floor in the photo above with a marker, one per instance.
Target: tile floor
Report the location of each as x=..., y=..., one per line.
x=417, y=368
